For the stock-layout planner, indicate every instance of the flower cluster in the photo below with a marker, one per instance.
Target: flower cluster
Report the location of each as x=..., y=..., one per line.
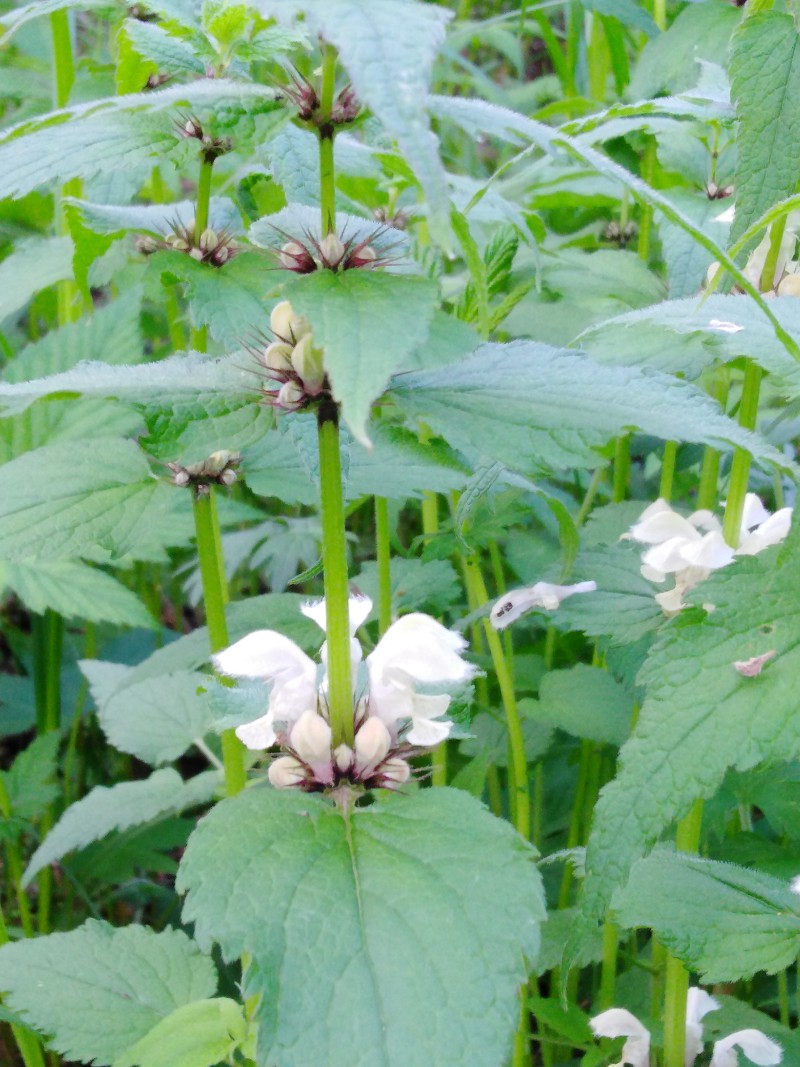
x=306, y=99
x=331, y=253
x=392, y=719
x=293, y=360
x=515, y=604
x=212, y=247
x=617, y=1022
x=219, y=469
x=689, y=549
x=211, y=147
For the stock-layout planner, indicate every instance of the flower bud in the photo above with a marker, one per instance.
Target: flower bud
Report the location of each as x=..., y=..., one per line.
x=146, y=245
x=278, y=357
x=208, y=240
x=395, y=772
x=372, y=744
x=790, y=285
x=196, y=254
x=362, y=257
x=296, y=257
x=221, y=254
x=284, y=323
x=711, y=273
x=191, y=128
x=343, y=758
x=286, y=772
x=332, y=250
x=228, y=477
x=307, y=361
x=311, y=738
x=290, y=396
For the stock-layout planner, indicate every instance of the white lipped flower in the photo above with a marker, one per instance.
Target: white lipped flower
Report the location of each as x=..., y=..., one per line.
x=513, y=605
x=392, y=718
x=617, y=1022
x=689, y=549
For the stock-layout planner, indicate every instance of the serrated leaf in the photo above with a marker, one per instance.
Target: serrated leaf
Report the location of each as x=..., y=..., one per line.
x=554, y=406
x=155, y=720
x=200, y=1034
x=586, y=702
x=97, y=500
x=170, y=54
x=119, y=807
x=419, y=913
x=160, y=219
x=388, y=48
x=701, y=716
x=368, y=323
x=417, y=585
x=97, y=990
x=74, y=590
x=765, y=82
x=30, y=780
x=32, y=266
x=726, y=922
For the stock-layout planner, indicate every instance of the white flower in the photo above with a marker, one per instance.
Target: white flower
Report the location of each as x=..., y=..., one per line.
x=698, y=1004
x=513, y=605
x=755, y=1045
x=691, y=548
x=416, y=650
x=617, y=1022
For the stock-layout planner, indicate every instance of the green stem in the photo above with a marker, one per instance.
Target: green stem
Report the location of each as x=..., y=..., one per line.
x=622, y=469
x=202, y=208
x=591, y=493
x=48, y=642
x=327, y=131
x=709, y=471
x=14, y=861
x=215, y=597
x=334, y=556
x=608, y=967
x=767, y=279
x=518, y=768
x=668, y=470
x=783, y=997
x=598, y=60
x=430, y=527
x=740, y=467
x=384, y=557
x=646, y=217
x=63, y=59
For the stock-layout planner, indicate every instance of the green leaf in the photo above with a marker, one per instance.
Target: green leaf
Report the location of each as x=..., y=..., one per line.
x=200, y=1034
x=726, y=922
x=97, y=990
x=170, y=54
x=30, y=781
x=420, y=914
x=368, y=324
x=18, y=17
x=155, y=720
x=74, y=590
x=586, y=702
x=701, y=716
x=765, y=83
x=554, y=406
x=388, y=48
x=417, y=585
x=119, y=807
x=34, y=265
x=159, y=219
x=96, y=499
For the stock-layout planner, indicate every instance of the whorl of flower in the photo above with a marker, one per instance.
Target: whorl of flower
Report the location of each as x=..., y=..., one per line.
x=617, y=1022
x=392, y=720
x=212, y=247
x=691, y=548
x=219, y=469
x=305, y=98
x=306, y=253
x=512, y=606
x=211, y=148
x=293, y=360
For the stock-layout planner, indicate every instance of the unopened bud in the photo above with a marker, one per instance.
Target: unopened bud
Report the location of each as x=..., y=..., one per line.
x=286, y=772
x=311, y=738
x=711, y=273
x=346, y=107
x=362, y=257
x=208, y=240
x=197, y=254
x=332, y=250
x=291, y=396
x=307, y=361
x=191, y=128
x=221, y=254
x=372, y=744
x=395, y=772
x=180, y=244
x=296, y=257
x=146, y=245
x=343, y=757
x=278, y=356
x=790, y=285
x=284, y=323
x=228, y=477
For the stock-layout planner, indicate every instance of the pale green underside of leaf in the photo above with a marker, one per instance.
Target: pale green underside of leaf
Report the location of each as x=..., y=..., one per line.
x=388, y=48
x=396, y=936
x=74, y=590
x=155, y=720
x=160, y=219
x=726, y=922
x=96, y=499
x=677, y=336
x=112, y=135
x=18, y=17
x=170, y=54
x=97, y=990
x=200, y=1034
x=529, y=405
x=32, y=266
x=368, y=324
x=700, y=716
x=765, y=83
x=120, y=807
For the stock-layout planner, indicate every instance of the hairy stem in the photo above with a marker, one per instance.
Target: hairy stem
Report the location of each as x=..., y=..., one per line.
x=334, y=556
x=384, y=557
x=215, y=597
x=327, y=131
x=203, y=205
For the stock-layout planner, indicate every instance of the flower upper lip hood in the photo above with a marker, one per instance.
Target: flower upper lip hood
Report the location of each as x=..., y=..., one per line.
x=415, y=651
